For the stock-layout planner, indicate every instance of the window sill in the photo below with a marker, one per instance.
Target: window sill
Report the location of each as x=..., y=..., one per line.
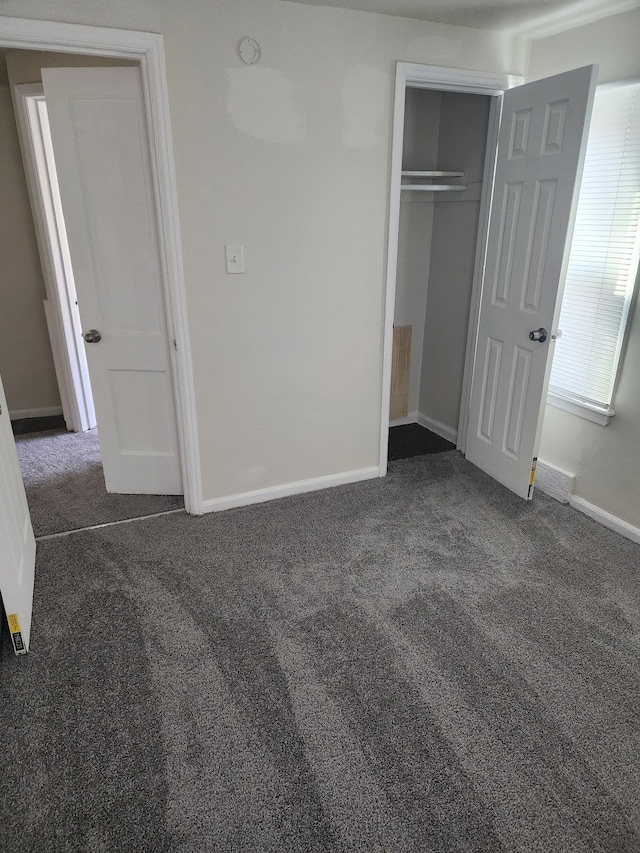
x=583, y=410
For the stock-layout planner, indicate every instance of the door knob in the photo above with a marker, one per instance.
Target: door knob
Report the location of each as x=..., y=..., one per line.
x=539, y=335
x=92, y=336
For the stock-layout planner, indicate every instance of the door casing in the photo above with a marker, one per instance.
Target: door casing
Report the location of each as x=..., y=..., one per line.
x=148, y=50
x=444, y=80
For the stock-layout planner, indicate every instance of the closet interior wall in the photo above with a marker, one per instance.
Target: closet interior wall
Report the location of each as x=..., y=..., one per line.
x=444, y=131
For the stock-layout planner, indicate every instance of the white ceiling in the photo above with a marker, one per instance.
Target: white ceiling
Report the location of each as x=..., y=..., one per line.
x=530, y=18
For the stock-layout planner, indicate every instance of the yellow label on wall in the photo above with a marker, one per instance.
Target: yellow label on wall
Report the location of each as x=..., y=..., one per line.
x=14, y=623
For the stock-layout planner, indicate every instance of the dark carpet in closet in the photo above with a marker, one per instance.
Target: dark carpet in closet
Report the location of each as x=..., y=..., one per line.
x=414, y=440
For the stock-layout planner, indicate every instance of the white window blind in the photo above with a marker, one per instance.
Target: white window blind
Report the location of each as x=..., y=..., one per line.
x=603, y=259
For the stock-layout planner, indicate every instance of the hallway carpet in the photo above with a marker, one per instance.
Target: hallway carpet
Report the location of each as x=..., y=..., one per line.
x=64, y=482
x=419, y=663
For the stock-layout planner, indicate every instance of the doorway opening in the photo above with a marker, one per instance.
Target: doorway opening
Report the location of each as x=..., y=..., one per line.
x=61, y=302
x=55, y=463
x=536, y=143
x=144, y=50
x=444, y=142
x=444, y=156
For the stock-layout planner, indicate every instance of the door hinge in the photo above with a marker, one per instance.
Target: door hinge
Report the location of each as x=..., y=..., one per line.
x=175, y=345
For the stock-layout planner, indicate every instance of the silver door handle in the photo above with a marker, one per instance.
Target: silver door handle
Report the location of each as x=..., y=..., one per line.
x=539, y=335
x=93, y=336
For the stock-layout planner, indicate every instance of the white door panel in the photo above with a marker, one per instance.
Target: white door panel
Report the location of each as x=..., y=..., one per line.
x=540, y=157
x=17, y=543
x=99, y=138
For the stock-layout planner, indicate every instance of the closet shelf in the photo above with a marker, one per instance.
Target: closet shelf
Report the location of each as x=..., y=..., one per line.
x=432, y=174
x=425, y=179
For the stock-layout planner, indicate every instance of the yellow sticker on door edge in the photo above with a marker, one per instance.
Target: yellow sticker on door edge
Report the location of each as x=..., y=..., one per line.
x=16, y=634
x=532, y=475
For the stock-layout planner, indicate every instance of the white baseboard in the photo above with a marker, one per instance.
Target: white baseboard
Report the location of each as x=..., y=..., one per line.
x=557, y=479
x=438, y=427
x=19, y=414
x=429, y=423
x=411, y=418
x=606, y=518
x=554, y=481
x=288, y=489
x=559, y=484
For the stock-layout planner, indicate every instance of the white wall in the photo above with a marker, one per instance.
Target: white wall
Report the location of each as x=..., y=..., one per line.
x=26, y=363
x=291, y=158
x=606, y=460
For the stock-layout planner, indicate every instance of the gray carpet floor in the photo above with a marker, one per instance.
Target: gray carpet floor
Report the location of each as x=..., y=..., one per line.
x=419, y=663
x=63, y=478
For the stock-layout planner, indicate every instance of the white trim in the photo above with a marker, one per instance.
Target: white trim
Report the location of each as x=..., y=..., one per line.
x=554, y=481
x=298, y=488
x=173, y=279
x=148, y=49
x=64, y=533
x=392, y=260
x=606, y=518
x=42, y=412
x=445, y=79
x=441, y=79
x=411, y=418
x=438, y=427
x=559, y=484
x=581, y=410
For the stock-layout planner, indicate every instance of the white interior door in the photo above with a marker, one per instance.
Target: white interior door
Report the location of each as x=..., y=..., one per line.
x=17, y=543
x=98, y=131
x=539, y=164
x=61, y=307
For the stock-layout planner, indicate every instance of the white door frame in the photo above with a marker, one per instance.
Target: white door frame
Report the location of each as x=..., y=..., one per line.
x=443, y=80
x=148, y=50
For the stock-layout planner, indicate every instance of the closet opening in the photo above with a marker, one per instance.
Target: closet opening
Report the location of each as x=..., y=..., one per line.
x=534, y=138
x=446, y=166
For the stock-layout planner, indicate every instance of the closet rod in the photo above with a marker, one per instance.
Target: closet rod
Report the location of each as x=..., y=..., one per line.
x=432, y=174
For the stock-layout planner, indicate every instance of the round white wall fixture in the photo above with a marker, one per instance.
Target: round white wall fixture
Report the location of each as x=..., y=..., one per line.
x=250, y=51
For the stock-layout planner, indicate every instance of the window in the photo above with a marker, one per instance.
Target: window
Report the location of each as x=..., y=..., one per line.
x=603, y=260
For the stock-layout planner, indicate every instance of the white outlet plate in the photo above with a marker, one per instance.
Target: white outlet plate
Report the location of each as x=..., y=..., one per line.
x=234, y=253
